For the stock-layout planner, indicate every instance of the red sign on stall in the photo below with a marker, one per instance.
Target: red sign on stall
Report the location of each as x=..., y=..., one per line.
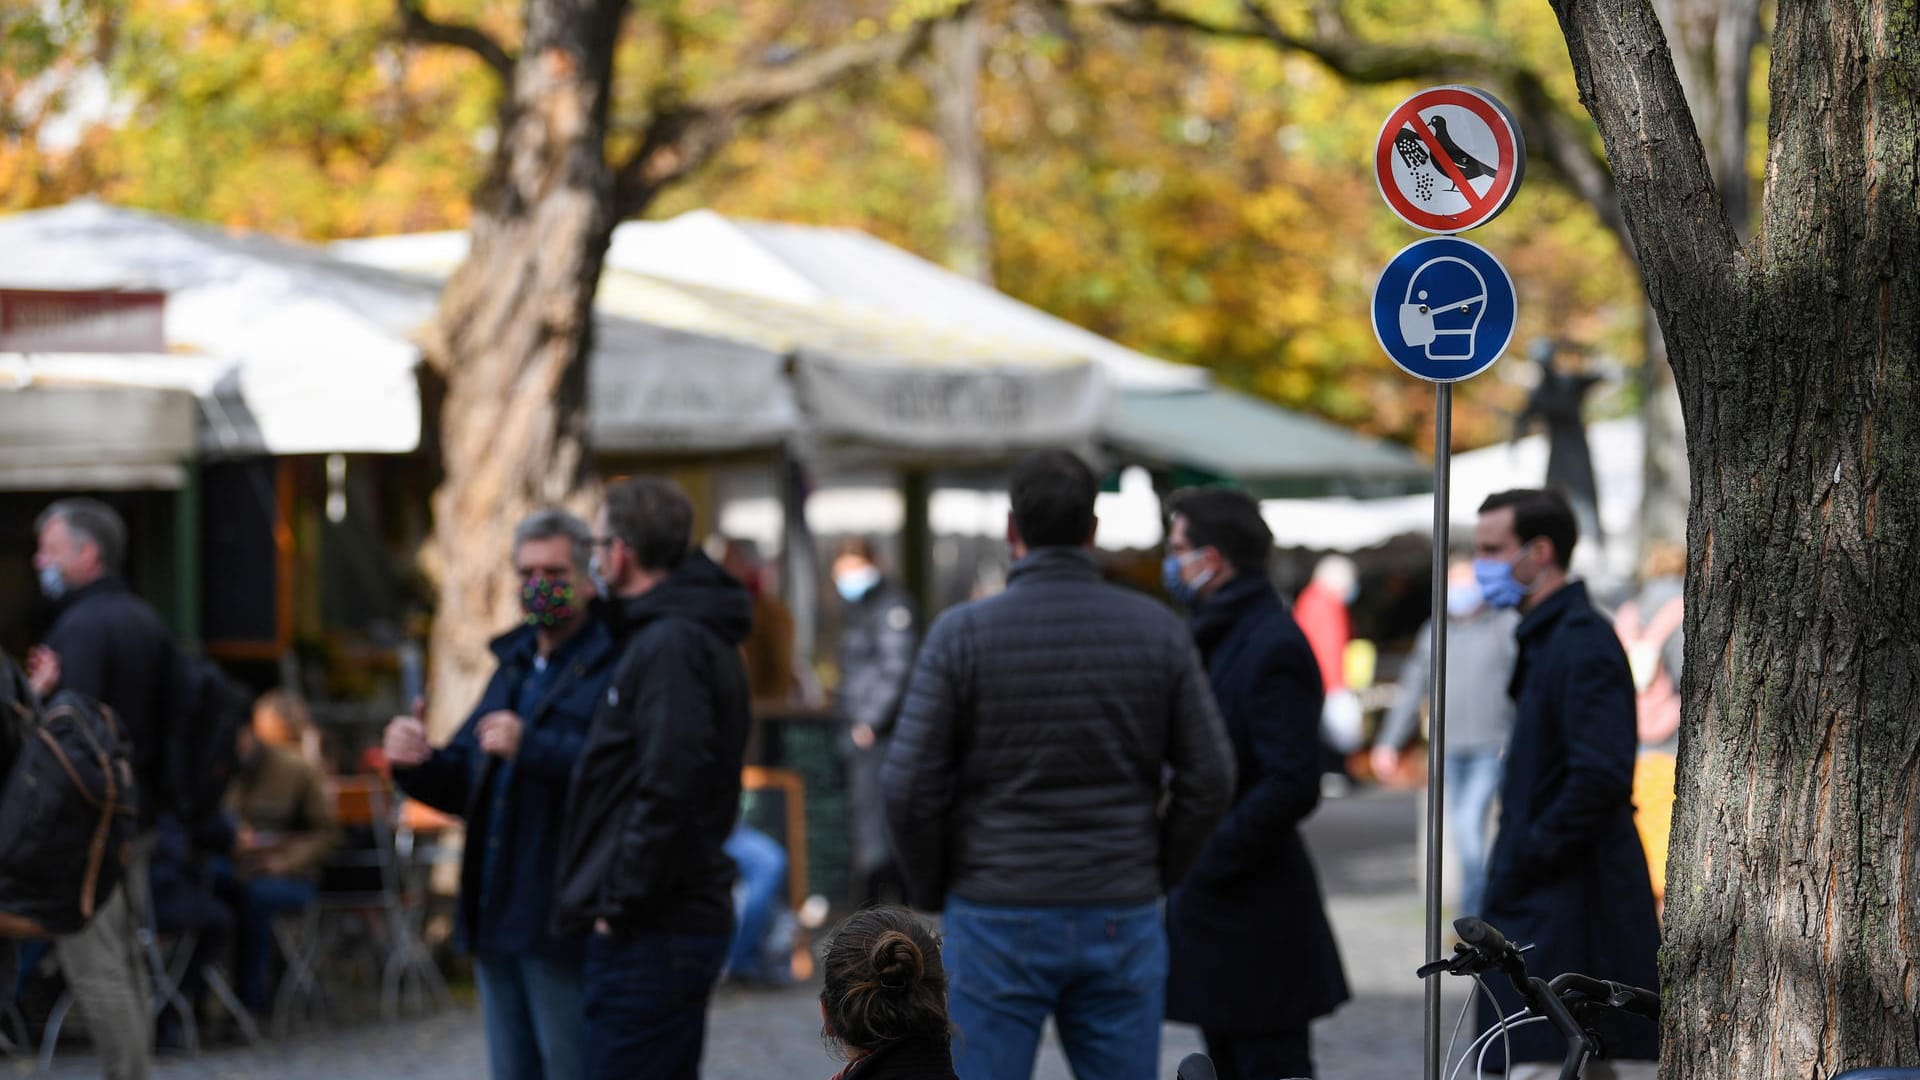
x=40, y=320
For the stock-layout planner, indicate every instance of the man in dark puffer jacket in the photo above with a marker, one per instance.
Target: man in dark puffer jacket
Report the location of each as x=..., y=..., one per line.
x=1041, y=730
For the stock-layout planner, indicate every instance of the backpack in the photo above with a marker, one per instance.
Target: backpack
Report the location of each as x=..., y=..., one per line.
x=68, y=819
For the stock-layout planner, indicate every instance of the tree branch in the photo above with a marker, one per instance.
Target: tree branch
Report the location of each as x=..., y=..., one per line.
x=1668, y=198
x=1555, y=134
x=684, y=135
x=417, y=25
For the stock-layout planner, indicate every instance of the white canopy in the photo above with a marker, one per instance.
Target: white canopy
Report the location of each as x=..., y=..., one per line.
x=307, y=354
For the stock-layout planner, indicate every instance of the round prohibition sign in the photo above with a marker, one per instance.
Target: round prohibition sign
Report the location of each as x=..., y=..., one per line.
x=1449, y=159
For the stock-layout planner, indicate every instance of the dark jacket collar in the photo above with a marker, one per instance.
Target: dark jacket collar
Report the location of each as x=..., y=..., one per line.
x=698, y=591
x=1228, y=605
x=522, y=643
x=100, y=586
x=1571, y=597
x=1054, y=564
x=917, y=1057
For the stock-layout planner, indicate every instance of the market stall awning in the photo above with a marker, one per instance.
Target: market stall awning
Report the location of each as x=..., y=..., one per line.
x=304, y=352
x=68, y=436
x=1220, y=434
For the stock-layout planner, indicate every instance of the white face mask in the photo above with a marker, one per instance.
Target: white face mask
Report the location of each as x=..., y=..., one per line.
x=853, y=584
x=52, y=583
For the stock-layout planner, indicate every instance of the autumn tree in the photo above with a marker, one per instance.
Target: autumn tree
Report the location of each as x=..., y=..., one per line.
x=582, y=143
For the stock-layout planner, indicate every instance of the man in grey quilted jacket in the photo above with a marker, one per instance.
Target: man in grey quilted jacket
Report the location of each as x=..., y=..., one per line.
x=1056, y=766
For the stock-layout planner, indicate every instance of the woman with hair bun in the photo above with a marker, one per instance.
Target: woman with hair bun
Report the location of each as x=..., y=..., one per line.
x=884, y=1006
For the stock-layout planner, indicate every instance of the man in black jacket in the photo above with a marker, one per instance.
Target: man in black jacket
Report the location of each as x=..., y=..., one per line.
x=111, y=646
x=643, y=868
x=1250, y=909
x=1042, y=730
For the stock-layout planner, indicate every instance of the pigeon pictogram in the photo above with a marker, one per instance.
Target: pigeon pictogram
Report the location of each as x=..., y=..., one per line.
x=1471, y=168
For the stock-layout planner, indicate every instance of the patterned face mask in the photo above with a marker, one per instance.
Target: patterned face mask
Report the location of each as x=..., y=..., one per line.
x=547, y=603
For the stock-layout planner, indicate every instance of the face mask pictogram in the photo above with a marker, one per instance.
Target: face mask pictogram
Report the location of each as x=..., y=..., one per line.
x=1445, y=299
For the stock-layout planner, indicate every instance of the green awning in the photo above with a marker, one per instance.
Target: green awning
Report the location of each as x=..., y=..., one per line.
x=1216, y=435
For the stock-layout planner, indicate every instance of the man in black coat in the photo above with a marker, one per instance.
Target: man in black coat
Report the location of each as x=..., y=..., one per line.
x=1057, y=766
x=109, y=645
x=1254, y=958
x=1568, y=875
x=644, y=872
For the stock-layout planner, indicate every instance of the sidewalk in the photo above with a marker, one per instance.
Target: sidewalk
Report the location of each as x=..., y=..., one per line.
x=1365, y=847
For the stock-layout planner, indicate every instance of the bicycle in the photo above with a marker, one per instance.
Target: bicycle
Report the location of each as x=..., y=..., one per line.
x=1566, y=1002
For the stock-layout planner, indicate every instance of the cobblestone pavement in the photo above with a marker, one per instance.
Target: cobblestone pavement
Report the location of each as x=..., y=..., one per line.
x=1365, y=845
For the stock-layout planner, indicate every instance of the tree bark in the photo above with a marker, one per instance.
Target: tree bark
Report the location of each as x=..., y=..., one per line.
x=959, y=47
x=1793, y=902
x=513, y=332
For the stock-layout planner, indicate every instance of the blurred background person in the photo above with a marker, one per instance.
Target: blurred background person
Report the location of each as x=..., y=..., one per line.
x=283, y=810
x=1322, y=611
x=1651, y=629
x=878, y=634
x=1480, y=656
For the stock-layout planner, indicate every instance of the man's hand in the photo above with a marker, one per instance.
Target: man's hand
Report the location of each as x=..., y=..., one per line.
x=405, y=741
x=863, y=736
x=500, y=733
x=43, y=670
x=1386, y=764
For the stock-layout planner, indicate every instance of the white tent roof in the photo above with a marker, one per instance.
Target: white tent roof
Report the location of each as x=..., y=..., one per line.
x=843, y=272
x=290, y=350
x=1618, y=448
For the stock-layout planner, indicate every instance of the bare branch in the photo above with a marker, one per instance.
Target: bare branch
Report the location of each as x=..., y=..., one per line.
x=682, y=136
x=417, y=25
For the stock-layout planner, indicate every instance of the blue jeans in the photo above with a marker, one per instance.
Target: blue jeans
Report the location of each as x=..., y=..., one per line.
x=646, y=1004
x=532, y=1008
x=262, y=900
x=1101, y=972
x=1473, y=779
x=757, y=899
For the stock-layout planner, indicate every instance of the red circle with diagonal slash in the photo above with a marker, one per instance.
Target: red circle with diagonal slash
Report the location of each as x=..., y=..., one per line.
x=1482, y=208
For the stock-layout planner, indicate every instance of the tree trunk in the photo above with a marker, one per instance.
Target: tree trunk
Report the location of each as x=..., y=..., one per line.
x=959, y=48
x=1793, y=902
x=513, y=332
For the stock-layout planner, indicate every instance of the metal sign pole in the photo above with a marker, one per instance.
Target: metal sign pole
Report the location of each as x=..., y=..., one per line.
x=1437, y=708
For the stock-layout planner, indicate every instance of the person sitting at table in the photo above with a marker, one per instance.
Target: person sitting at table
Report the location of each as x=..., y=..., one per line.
x=285, y=830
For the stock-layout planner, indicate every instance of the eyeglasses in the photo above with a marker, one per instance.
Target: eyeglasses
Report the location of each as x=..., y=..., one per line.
x=599, y=542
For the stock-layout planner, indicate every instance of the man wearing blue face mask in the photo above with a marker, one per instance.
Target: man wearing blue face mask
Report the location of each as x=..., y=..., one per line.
x=1480, y=654
x=1251, y=904
x=507, y=771
x=1567, y=875
x=878, y=635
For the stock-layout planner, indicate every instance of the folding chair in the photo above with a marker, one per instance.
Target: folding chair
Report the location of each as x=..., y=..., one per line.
x=392, y=910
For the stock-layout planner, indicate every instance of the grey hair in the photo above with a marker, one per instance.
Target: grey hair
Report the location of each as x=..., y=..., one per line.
x=91, y=521
x=553, y=522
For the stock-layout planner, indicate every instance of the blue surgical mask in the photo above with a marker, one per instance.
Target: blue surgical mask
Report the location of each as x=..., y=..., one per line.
x=854, y=584
x=1464, y=598
x=1495, y=578
x=52, y=583
x=1185, y=593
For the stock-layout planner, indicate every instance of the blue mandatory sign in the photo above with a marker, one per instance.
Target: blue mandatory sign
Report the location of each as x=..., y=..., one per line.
x=1444, y=309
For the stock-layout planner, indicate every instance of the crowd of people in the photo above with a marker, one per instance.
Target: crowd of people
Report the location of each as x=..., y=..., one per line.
x=1100, y=798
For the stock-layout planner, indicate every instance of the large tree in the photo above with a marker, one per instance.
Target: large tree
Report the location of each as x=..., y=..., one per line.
x=514, y=327
x=1793, y=911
